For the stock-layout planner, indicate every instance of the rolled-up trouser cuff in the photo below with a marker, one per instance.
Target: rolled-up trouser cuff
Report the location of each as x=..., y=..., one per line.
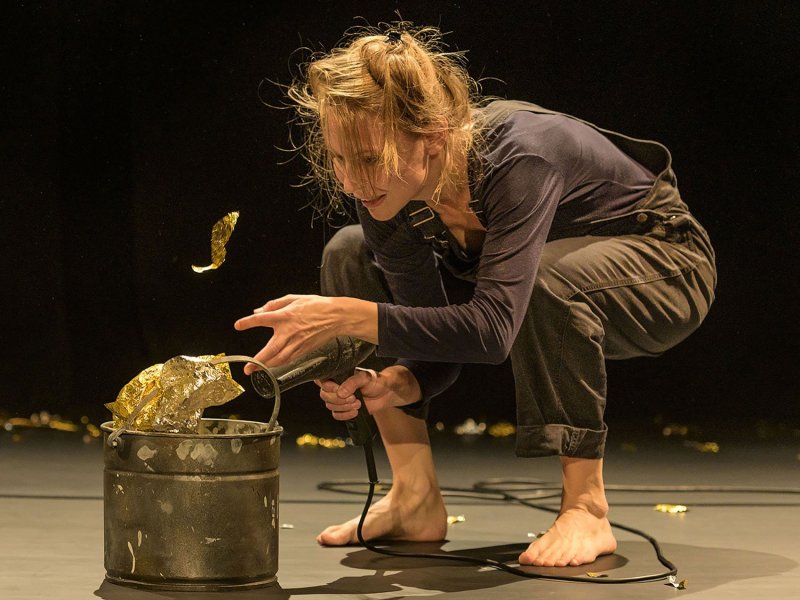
x=418, y=409
x=561, y=440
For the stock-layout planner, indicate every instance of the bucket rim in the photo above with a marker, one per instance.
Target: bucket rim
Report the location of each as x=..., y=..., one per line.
x=108, y=427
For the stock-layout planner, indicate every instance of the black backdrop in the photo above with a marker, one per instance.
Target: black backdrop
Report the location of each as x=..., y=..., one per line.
x=130, y=127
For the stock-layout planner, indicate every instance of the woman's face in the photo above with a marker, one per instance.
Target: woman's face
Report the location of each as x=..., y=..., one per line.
x=383, y=193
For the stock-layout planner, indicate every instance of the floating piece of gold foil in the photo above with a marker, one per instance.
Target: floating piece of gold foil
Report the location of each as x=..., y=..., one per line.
x=220, y=234
x=671, y=508
x=180, y=390
x=594, y=575
x=678, y=585
x=453, y=519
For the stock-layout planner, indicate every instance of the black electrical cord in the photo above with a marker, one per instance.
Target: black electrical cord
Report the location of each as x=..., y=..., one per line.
x=373, y=481
x=488, y=490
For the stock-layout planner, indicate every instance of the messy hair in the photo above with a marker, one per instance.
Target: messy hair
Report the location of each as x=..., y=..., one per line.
x=402, y=77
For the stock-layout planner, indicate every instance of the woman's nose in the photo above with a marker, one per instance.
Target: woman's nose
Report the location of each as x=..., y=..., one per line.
x=347, y=184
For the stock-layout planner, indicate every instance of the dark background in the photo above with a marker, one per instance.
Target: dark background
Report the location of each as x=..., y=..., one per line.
x=129, y=128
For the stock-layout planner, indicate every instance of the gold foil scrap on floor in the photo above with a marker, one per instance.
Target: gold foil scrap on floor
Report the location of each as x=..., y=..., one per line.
x=678, y=585
x=502, y=429
x=41, y=420
x=309, y=439
x=470, y=427
x=671, y=508
x=707, y=447
x=182, y=388
x=675, y=429
x=453, y=519
x=220, y=234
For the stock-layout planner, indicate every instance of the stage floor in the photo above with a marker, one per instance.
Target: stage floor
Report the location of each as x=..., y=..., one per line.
x=728, y=545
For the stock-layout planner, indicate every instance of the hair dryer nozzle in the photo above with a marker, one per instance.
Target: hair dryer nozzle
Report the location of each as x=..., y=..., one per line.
x=339, y=356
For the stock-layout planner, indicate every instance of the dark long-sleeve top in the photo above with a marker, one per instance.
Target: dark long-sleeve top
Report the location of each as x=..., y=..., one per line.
x=541, y=176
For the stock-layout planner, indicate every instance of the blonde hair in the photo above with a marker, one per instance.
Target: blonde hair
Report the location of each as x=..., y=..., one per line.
x=399, y=75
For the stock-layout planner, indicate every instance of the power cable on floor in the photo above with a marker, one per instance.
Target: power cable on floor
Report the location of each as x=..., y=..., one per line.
x=492, y=490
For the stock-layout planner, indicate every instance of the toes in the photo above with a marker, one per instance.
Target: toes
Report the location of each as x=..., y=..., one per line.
x=336, y=535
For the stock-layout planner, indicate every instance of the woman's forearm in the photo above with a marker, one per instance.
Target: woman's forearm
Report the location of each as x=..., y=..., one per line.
x=358, y=318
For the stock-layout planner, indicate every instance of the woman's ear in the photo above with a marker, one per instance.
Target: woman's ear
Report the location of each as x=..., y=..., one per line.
x=436, y=140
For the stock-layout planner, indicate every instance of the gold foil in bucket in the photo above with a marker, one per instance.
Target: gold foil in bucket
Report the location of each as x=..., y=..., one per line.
x=174, y=394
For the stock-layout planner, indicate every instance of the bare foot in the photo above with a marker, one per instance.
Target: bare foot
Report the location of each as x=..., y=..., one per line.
x=577, y=537
x=399, y=516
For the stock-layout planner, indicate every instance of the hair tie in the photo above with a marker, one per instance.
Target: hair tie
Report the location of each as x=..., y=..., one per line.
x=393, y=37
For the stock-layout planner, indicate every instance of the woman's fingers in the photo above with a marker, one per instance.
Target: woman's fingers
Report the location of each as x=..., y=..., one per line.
x=360, y=379
x=345, y=416
x=277, y=303
x=342, y=408
x=257, y=319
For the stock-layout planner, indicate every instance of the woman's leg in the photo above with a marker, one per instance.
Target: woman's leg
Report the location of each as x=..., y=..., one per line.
x=595, y=298
x=413, y=509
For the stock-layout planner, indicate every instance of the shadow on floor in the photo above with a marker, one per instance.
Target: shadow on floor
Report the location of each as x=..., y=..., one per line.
x=399, y=577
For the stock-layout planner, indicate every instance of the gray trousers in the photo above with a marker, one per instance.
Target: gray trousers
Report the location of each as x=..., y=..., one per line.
x=595, y=297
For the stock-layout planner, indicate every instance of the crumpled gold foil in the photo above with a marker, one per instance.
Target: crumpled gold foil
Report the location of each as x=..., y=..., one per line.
x=671, y=508
x=678, y=585
x=453, y=519
x=309, y=439
x=181, y=389
x=220, y=234
x=502, y=429
x=708, y=447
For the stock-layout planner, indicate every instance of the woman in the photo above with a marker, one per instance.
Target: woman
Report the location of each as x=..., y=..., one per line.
x=574, y=240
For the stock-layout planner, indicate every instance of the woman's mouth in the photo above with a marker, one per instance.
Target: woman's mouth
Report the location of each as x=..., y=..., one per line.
x=372, y=203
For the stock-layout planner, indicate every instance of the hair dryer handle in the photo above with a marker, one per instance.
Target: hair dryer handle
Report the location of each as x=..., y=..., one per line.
x=362, y=428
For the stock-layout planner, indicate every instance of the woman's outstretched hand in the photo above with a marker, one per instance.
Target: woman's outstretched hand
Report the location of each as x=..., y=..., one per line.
x=393, y=386
x=302, y=323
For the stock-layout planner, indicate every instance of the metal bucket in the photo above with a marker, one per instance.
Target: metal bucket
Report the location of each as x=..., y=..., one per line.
x=193, y=512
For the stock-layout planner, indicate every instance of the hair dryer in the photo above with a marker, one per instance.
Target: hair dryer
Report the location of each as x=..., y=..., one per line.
x=335, y=360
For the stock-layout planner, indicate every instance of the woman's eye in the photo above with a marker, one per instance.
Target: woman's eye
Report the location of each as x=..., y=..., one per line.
x=371, y=160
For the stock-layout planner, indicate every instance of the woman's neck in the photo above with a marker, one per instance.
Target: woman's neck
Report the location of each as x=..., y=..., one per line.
x=454, y=209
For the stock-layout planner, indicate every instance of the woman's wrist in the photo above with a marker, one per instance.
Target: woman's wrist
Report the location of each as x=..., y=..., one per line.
x=358, y=318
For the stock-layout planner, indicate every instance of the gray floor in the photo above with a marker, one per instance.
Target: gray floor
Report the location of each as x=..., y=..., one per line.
x=729, y=545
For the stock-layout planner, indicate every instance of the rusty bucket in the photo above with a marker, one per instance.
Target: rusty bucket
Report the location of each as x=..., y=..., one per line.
x=193, y=512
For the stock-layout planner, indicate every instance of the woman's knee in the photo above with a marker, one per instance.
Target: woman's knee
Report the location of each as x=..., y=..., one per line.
x=346, y=243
